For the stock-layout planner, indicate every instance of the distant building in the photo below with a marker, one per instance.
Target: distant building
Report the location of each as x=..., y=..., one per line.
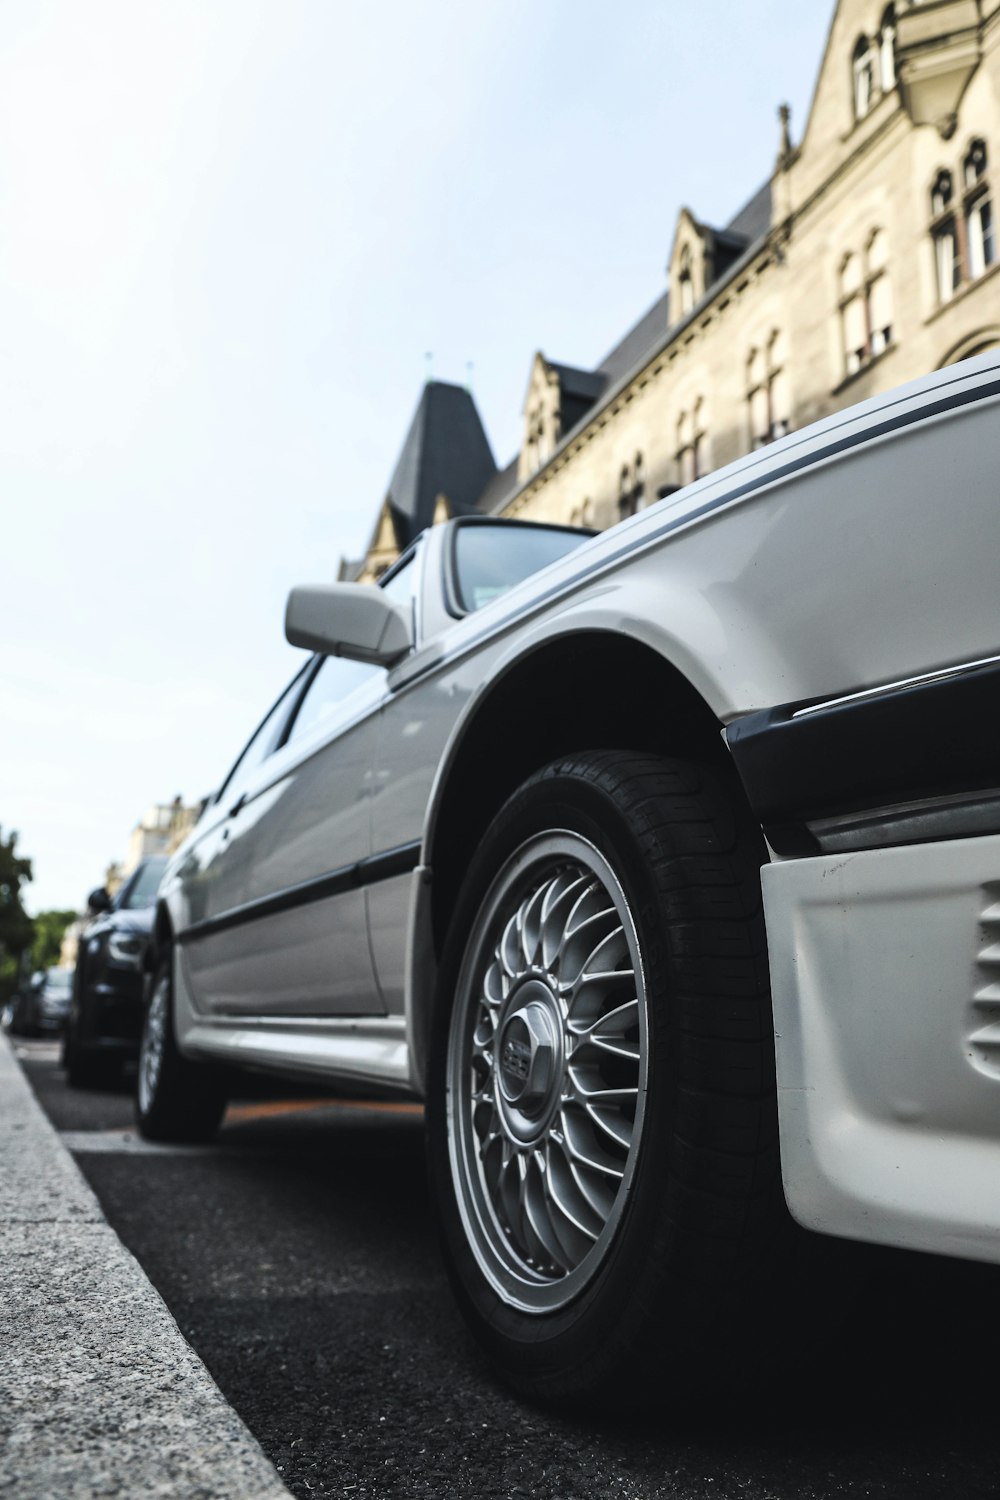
x=161, y=830
x=868, y=258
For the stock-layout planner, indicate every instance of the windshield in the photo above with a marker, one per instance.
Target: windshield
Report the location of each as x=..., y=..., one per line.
x=59, y=979
x=490, y=559
x=142, y=889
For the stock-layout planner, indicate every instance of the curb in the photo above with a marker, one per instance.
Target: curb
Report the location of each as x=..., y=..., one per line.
x=100, y=1393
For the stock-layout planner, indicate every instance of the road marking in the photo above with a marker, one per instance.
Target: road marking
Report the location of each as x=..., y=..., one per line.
x=129, y=1142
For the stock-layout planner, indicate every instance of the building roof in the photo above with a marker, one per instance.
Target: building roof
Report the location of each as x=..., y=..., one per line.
x=586, y=385
x=639, y=340
x=754, y=218
x=445, y=452
x=499, y=489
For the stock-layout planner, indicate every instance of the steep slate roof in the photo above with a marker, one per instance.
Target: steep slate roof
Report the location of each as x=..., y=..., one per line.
x=446, y=452
x=754, y=218
x=640, y=340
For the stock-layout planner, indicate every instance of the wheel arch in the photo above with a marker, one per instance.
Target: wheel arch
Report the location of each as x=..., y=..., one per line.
x=161, y=937
x=582, y=690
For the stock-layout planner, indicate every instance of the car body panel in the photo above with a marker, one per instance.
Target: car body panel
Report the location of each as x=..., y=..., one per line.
x=856, y=553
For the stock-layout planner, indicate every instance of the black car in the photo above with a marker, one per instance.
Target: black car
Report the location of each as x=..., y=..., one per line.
x=42, y=1006
x=105, y=1019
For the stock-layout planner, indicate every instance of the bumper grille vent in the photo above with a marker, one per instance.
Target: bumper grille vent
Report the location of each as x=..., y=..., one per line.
x=984, y=1042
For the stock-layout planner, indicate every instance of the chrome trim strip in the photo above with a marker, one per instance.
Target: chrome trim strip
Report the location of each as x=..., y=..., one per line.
x=885, y=689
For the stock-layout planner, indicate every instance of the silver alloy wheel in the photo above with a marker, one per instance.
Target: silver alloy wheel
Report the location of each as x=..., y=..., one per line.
x=153, y=1043
x=547, y=1071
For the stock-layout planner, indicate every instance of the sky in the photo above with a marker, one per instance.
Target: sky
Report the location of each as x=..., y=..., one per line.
x=231, y=233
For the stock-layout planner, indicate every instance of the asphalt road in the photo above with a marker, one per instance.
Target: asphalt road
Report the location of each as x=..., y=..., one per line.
x=298, y=1257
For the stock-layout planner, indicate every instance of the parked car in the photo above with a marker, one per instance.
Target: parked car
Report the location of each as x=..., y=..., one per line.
x=668, y=873
x=105, y=1020
x=41, y=1007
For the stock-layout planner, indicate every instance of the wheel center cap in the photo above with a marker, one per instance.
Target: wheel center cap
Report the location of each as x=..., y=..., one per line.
x=529, y=1052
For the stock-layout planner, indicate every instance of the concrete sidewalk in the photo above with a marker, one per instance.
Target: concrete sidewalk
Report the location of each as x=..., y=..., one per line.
x=100, y=1395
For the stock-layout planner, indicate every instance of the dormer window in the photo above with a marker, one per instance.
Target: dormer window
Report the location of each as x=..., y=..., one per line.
x=864, y=77
x=686, y=283
x=887, y=50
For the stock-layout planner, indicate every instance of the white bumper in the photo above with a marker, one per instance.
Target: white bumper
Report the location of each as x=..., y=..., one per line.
x=885, y=969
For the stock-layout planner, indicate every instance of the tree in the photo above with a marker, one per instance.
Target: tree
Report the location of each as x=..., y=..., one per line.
x=50, y=926
x=16, y=927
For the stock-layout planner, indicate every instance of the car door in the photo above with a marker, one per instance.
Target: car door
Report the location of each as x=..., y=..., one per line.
x=281, y=926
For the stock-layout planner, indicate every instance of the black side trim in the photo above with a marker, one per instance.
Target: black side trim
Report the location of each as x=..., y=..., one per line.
x=398, y=861
x=933, y=739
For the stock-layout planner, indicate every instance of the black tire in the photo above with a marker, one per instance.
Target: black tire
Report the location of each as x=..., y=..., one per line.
x=674, y=1285
x=176, y=1099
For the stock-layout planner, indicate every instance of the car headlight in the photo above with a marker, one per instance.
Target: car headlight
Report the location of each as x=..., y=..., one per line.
x=125, y=948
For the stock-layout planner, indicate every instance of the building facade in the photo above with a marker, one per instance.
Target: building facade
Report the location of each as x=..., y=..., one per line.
x=163, y=828
x=869, y=258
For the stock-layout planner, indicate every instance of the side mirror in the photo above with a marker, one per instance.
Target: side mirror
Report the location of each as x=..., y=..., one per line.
x=98, y=901
x=348, y=619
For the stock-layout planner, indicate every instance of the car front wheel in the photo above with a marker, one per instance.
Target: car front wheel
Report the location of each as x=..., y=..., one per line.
x=601, y=1109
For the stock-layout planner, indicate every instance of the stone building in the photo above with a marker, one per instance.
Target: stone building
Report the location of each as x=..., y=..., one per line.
x=161, y=829
x=868, y=258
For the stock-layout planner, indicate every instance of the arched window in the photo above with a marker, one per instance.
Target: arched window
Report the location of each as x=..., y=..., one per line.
x=767, y=392
x=941, y=193
x=854, y=328
x=866, y=304
x=685, y=448
x=864, y=77
x=878, y=293
x=887, y=49
x=701, y=463
x=692, y=443
x=963, y=235
x=980, y=237
x=632, y=488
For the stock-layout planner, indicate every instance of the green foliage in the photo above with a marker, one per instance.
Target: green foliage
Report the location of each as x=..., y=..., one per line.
x=16, y=927
x=49, y=929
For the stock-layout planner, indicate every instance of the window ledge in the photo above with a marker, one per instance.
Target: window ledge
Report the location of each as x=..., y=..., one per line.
x=870, y=364
x=965, y=290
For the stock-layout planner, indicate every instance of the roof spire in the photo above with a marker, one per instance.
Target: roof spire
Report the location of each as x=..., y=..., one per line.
x=786, y=150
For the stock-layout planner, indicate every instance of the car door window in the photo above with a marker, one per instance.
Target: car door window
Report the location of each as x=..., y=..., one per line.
x=262, y=742
x=328, y=696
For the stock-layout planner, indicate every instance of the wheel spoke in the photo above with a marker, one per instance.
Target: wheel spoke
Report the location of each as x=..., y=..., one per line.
x=582, y=946
x=493, y=990
x=561, y=897
x=538, y=1209
x=567, y=1197
x=585, y=1150
x=612, y=1123
x=601, y=1093
x=530, y=917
